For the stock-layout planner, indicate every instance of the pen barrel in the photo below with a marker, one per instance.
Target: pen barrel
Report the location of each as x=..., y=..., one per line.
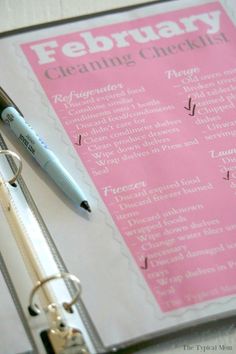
x=40, y=152
x=27, y=136
x=64, y=180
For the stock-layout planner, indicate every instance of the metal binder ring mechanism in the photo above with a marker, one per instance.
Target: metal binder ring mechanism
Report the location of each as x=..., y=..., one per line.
x=33, y=308
x=19, y=168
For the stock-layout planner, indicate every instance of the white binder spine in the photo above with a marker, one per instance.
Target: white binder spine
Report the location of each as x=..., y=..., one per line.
x=52, y=319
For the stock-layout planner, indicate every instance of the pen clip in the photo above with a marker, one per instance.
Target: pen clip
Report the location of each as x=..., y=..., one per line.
x=5, y=99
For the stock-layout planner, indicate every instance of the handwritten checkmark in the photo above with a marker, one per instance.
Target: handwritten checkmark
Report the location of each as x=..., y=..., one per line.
x=145, y=263
x=227, y=178
x=190, y=107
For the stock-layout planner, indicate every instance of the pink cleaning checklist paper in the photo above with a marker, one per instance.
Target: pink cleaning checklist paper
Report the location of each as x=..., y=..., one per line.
x=149, y=106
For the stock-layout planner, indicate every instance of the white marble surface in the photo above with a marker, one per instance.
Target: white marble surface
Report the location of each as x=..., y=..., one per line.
x=23, y=13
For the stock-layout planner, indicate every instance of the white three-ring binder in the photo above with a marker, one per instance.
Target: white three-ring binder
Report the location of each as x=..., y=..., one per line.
x=141, y=275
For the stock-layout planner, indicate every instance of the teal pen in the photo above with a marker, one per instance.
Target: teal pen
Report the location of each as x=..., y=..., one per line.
x=11, y=115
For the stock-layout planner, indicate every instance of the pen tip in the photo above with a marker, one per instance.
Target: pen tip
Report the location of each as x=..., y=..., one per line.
x=85, y=205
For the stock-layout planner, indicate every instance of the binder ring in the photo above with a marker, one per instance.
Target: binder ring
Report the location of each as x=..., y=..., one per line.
x=19, y=169
x=34, y=310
